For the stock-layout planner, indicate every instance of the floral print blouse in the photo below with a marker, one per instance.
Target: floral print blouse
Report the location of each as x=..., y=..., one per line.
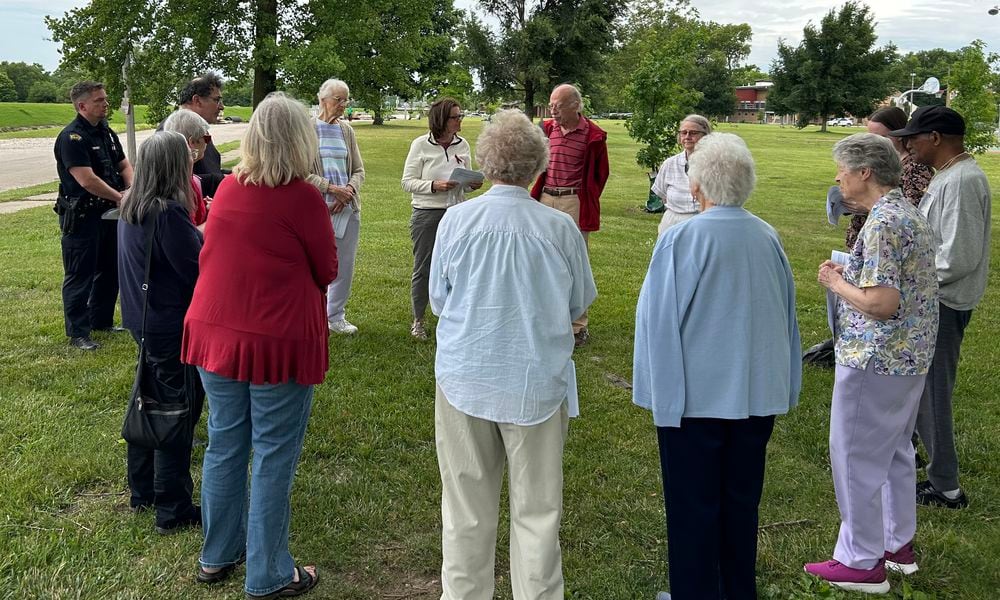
x=895, y=248
x=916, y=177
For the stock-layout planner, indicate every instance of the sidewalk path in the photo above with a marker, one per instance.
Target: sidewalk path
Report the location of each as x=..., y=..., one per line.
x=30, y=161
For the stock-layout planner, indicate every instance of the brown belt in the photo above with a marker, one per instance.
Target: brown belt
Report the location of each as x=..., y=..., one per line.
x=559, y=191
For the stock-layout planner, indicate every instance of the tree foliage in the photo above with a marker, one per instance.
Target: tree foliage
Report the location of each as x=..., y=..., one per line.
x=973, y=84
x=8, y=93
x=538, y=45
x=672, y=64
x=24, y=76
x=836, y=69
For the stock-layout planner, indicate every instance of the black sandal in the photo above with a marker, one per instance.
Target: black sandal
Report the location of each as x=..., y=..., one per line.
x=210, y=577
x=305, y=583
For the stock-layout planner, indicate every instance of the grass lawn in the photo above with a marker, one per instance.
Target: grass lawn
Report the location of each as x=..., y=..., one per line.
x=47, y=120
x=366, y=498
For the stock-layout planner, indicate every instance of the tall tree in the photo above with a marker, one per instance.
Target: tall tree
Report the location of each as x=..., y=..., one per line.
x=540, y=44
x=836, y=68
x=973, y=84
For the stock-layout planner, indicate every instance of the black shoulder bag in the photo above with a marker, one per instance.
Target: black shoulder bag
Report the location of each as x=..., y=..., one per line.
x=157, y=421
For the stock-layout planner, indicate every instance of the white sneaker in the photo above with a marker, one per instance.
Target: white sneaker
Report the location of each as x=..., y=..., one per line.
x=342, y=327
x=417, y=330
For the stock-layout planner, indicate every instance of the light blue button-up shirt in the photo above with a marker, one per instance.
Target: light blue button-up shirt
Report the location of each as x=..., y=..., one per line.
x=508, y=276
x=715, y=328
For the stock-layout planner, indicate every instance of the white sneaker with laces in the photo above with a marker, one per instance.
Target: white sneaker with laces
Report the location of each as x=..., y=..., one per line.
x=342, y=327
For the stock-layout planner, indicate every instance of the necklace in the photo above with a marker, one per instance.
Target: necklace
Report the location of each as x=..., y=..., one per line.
x=953, y=160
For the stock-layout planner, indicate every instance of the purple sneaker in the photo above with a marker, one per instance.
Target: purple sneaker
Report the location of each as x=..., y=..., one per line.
x=902, y=561
x=869, y=581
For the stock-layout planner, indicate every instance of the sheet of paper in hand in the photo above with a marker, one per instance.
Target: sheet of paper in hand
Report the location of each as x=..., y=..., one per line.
x=464, y=177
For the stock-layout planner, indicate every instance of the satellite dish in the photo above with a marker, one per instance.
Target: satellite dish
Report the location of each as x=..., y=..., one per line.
x=931, y=86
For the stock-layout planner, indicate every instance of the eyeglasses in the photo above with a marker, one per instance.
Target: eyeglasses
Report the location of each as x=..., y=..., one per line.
x=691, y=132
x=339, y=100
x=216, y=99
x=560, y=107
x=458, y=117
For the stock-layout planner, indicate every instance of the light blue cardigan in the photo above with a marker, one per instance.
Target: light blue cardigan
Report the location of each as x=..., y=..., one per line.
x=715, y=328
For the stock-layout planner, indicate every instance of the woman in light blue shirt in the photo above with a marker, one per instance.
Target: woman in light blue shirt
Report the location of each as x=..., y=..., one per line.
x=716, y=358
x=507, y=277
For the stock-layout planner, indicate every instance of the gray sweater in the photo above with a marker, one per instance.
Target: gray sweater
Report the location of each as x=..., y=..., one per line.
x=957, y=206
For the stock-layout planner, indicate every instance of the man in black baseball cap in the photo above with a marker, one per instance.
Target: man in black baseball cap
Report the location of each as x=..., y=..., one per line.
x=957, y=206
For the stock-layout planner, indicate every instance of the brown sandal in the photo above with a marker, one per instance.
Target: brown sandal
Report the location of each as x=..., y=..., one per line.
x=305, y=583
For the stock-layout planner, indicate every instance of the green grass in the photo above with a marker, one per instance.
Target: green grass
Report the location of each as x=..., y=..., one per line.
x=366, y=498
x=25, y=192
x=34, y=120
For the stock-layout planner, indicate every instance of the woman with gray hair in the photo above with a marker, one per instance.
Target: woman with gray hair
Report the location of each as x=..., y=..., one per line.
x=509, y=275
x=719, y=292
x=887, y=317
x=343, y=173
x=159, y=205
x=194, y=129
x=671, y=183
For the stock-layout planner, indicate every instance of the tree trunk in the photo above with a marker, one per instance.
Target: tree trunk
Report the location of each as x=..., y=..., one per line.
x=822, y=123
x=529, y=100
x=377, y=117
x=265, y=77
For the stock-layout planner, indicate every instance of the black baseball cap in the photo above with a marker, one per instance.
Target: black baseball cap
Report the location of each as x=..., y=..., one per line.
x=933, y=118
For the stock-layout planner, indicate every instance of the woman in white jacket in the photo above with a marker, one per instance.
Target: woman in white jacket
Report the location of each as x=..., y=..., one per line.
x=427, y=176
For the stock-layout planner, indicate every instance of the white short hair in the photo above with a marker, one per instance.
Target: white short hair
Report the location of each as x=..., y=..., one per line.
x=512, y=150
x=869, y=151
x=187, y=123
x=722, y=166
x=330, y=86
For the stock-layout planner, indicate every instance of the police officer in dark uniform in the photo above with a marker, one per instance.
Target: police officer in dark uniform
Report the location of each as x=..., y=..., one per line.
x=93, y=173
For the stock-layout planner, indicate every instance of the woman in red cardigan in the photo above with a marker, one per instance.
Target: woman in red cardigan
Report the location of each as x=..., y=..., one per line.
x=257, y=332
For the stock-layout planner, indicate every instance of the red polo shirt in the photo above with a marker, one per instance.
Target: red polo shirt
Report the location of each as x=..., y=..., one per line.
x=566, y=153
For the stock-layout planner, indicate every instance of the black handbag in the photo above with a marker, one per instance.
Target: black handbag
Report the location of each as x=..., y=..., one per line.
x=157, y=417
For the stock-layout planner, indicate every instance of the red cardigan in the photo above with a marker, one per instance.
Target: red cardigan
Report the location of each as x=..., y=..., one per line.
x=595, y=175
x=259, y=309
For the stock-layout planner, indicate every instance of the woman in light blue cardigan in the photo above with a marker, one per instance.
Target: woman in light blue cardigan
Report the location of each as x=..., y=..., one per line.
x=716, y=358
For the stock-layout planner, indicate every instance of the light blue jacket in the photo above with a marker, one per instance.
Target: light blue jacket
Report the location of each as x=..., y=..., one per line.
x=715, y=328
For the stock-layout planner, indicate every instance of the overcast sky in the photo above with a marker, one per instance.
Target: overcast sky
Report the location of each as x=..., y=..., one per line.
x=910, y=24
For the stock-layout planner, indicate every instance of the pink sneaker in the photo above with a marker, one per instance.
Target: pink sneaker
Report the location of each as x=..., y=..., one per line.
x=902, y=561
x=869, y=581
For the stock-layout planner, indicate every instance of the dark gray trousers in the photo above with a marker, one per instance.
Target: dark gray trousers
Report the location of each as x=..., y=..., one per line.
x=934, y=420
x=423, y=230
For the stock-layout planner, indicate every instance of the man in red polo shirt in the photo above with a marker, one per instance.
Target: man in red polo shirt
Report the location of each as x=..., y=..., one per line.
x=577, y=171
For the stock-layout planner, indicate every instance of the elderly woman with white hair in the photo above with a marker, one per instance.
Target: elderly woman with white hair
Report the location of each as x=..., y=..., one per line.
x=508, y=276
x=343, y=173
x=194, y=129
x=887, y=316
x=671, y=183
x=716, y=358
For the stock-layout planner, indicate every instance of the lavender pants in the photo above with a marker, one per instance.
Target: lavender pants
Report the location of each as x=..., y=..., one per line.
x=871, y=420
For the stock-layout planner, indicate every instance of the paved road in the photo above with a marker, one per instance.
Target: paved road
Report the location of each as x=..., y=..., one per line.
x=30, y=161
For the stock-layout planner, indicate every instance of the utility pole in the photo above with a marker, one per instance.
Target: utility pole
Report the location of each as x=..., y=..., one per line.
x=129, y=112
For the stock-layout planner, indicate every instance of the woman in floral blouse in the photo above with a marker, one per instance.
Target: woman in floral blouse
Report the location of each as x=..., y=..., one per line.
x=916, y=176
x=887, y=324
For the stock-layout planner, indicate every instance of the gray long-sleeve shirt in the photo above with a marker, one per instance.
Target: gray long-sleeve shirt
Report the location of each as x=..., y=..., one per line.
x=957, y=206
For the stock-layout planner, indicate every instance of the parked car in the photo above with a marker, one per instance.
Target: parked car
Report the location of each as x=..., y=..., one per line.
x=841, y=122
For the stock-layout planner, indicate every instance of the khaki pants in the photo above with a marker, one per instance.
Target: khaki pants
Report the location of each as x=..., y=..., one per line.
x=570, y=204
x=471, y=456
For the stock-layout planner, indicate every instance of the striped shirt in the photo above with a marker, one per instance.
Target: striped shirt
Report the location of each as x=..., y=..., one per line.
x=566, y=156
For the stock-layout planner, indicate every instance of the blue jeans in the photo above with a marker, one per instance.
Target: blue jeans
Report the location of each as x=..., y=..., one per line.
x=271, y=420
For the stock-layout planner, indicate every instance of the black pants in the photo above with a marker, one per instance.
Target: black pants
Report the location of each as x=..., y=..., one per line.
x=90, y=265
x=162, y=478
x=713, y=475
